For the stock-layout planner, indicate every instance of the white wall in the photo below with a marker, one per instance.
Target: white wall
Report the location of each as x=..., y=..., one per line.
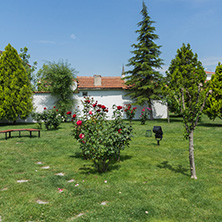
x=104, y=97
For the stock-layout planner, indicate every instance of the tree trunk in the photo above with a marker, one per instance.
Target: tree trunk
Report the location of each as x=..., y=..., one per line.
x=191, y=156
x=151, y=110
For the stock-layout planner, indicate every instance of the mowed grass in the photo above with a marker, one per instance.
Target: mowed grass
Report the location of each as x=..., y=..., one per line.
x=150, y=183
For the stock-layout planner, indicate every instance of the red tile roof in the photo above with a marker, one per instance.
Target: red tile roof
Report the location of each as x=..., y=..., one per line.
x=209, y=72
x=85, y=82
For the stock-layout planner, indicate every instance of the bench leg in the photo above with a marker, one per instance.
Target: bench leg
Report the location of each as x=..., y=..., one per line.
x=10, y=134
x=6, y=135
x=39, y=134
x=19, y=133
x=30, y=134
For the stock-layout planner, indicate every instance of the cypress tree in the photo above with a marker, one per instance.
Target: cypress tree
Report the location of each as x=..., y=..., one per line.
x=15, y=87
x=144, y=79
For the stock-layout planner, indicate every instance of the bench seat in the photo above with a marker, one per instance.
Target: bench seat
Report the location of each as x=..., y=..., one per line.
x=8, y=132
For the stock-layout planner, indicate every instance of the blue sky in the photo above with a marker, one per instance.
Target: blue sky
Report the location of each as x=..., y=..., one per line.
x=95, y=37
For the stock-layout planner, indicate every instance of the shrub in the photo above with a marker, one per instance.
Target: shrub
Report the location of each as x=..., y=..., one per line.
x=101, y=140
x=144, y=115
x=130, y=111
x=50, y=117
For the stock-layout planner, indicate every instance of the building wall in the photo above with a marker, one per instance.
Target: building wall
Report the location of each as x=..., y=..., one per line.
x=105, y=97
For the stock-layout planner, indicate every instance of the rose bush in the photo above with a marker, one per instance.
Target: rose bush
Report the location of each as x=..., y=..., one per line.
x=144, y=115
x=50, y=117
x=130, y=111
x=101, y=140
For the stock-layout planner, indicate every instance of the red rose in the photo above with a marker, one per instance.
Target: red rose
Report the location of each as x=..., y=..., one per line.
x=57, y=110
x=98, y=110
x=54, y=107
x=99, y=105
x=90, y=112
x=103, y=107
x=79, y=122
x=74, y=116
x=119, y=107
x=94, y=105
x=106, y=110
x=69, y=112
x=81, y=136
x=119, y=130
x=44, y=107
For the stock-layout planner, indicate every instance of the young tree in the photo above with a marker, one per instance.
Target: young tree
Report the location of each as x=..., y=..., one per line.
x=15, y=87
x=30, y=69
x=57, y=78
x=144, y=79
x=187, y=85
x=214, y=103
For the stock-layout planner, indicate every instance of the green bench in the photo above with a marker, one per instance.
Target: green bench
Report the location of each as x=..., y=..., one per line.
x=8, y=133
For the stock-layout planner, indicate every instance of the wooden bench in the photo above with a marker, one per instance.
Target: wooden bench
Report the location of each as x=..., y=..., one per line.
x=8, y=133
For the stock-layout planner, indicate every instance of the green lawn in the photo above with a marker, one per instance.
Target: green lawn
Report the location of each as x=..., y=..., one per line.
x=151, y=183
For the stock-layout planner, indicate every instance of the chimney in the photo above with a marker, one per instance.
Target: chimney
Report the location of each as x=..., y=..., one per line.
x=97, y=80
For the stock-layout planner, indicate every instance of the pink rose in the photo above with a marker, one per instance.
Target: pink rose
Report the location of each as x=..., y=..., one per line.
x=90, y=112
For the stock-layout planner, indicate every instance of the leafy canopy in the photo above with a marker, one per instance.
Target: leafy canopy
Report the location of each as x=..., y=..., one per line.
x=58, y=78
x=214, y=103
x=186, y=86
x=15, y=87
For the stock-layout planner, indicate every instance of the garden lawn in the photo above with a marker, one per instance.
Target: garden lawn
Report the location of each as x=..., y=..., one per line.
x=150, y=183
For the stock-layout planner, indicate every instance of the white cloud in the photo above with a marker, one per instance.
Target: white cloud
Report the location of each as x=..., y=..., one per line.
x=72, y=36
x=47, y=42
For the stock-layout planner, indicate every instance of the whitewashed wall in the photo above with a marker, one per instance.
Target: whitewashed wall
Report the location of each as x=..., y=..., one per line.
x=104, y=97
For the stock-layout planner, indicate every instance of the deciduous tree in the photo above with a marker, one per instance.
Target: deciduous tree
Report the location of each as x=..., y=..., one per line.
x=144, y=79
x=15, y=87
x=186, y=83
x=58, y=78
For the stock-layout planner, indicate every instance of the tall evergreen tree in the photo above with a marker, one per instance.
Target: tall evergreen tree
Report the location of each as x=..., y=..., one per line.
x=144, y=79
x=15, y=87
x=187, y=87
x=214, y=103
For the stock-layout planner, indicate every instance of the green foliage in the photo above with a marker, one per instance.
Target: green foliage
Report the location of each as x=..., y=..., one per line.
x=144, y=115
x=15, y=87
x=143, y=80
x=214, y=103
x=50, y=117
x=30, y=69
x=186, y=86
x=58, y=78
x=130, y=111
x=100, y=139
x=147, y=178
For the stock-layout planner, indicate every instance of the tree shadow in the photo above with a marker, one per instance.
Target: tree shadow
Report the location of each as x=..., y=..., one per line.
x=210, y=124
x=178, y=169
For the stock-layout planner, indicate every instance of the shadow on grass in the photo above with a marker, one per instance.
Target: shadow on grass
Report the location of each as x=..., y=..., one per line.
x=210, y=124
x=178, y=169
x=90, y=169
